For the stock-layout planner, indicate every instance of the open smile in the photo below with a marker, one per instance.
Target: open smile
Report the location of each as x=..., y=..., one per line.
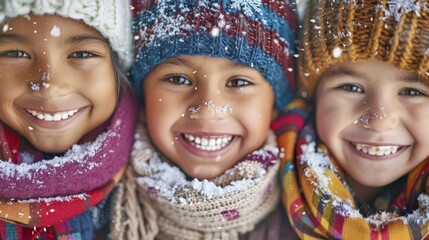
x=56, y=116
x=51, y=119
x=378, y=150
x=208, y=143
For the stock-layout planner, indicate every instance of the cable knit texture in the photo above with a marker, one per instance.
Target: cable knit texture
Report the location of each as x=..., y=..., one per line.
x=222, y=208
x=111, y=18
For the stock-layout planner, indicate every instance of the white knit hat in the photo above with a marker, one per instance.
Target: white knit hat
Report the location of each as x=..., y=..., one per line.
x=112, y=18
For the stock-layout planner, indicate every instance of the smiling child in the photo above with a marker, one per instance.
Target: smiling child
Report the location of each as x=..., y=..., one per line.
x=213, y=75
x=66, y=115
x=357, y=166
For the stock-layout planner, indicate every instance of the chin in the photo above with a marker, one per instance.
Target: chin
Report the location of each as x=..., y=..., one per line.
x=204, y=174
x=53, y=148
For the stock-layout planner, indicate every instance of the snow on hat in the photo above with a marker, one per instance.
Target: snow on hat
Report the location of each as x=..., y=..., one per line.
x=112, y=18
x=392, y=31
x=256, y=33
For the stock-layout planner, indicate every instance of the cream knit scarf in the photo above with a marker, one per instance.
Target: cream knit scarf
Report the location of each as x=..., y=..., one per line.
x=173, y=207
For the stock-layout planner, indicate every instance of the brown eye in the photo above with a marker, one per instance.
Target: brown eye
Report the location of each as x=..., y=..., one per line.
x=179, y=80
x=238, y=83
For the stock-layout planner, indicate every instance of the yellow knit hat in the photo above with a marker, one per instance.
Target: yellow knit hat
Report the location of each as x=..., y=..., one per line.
x=335, y=31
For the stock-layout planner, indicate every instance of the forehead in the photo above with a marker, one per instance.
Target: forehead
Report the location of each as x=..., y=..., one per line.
x=207, y=63
x=45, y=27
x=372, y=70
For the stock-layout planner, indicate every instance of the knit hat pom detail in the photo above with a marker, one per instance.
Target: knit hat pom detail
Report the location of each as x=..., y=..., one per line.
x=255, y=33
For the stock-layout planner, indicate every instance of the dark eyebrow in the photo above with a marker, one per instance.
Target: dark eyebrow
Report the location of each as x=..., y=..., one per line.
x=341, y=70
x=411, y=77
x=181, y=61
x=13, y=38
x=178, y=61
x=85, y=38
x=406, y=76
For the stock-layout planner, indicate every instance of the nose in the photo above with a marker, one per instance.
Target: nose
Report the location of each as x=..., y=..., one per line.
x=49, y=79
x=380, y=115
x=209, y=104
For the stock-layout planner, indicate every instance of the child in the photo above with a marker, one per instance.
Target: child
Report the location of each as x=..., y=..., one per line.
x=362, y=162
x=66, y=122
x=213, y=74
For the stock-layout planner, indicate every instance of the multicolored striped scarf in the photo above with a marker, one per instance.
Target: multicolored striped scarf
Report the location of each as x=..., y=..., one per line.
x=320, y=204
x=51, y=199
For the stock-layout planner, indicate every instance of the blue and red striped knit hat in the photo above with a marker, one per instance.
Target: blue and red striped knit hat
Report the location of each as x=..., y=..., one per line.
x=257, y=33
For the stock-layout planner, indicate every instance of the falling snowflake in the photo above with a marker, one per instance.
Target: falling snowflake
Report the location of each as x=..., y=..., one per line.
x=249, y=8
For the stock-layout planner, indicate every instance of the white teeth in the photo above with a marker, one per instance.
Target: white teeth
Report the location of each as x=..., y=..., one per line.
x=49, y=117
x=376, y=150
x=208, y=143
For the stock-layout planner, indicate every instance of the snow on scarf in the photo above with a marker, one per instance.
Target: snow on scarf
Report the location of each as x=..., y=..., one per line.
x=224, y=207
x=319, y=203
x=47, y=193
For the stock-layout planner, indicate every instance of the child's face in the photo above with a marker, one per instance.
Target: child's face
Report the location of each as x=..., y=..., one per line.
x=205, y=114
x=57, y=81
x=374, y=118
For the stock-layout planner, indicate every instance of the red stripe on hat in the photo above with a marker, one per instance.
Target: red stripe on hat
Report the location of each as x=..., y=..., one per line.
x=282, y=9
x=137, y=6
x=257, y=35
x=254, y=32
